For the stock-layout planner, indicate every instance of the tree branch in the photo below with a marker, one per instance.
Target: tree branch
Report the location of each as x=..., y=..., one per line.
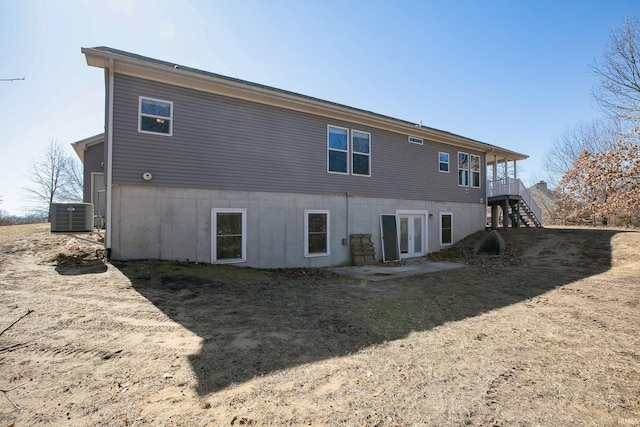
x=6, y=391
x=19, y=319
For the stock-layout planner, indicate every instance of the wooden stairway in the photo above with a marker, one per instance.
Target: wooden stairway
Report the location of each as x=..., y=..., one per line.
x=521, y=213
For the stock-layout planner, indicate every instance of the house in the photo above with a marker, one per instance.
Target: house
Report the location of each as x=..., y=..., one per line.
x=547, y=200
x=202, y=167
x=91, y=153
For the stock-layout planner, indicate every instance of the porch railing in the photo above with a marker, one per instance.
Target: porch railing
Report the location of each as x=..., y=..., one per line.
x=513, y=186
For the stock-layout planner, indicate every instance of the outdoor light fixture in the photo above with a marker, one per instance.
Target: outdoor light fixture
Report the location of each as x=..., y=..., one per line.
x=147, y=176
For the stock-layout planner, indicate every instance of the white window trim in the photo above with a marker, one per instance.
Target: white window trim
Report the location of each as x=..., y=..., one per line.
x=359, y=153
x=306, y=233
x=140, y=114
x=479, y=172
x=440, y=228
x=214, y=259
x=329, y=149
x=448, y=162
x=468, y=169
x=415, y=140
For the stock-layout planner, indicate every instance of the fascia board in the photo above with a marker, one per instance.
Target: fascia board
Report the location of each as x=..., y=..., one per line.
x=81, y=146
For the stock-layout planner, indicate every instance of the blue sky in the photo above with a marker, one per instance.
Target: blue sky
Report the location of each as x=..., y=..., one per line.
x=510, y=73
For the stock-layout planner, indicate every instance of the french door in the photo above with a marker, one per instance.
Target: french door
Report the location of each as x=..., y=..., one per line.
x=413, y=234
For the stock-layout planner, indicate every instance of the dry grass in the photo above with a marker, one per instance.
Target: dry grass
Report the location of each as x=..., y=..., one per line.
x=547, y=335
x=10, y=233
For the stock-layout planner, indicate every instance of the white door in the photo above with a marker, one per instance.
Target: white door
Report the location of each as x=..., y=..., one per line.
x=412, y=235
x=98, y=194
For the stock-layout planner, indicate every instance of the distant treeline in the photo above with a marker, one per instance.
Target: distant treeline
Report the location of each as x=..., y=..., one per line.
x=26, y=219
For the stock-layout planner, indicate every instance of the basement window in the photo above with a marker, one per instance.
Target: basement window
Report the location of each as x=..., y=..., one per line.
x=229, y=235
x=155, y=116
x=446, y=228
x=316, y=233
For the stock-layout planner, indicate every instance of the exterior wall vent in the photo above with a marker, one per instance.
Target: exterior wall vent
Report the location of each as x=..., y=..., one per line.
x=67, y=217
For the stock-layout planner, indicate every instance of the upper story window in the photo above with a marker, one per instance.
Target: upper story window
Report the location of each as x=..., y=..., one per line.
x=155, y=116
x=468, y=170
x=415, y=140
x=346, y=157
x=361, y=153
x=463, y=169
x=338, y=150
x=443, y=159
x=474, y=166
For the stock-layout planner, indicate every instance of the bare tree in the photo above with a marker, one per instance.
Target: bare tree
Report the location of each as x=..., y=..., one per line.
x=53, y=178
x=618, y=90
x=595, y=136
x=604, y=184
x=72, y=190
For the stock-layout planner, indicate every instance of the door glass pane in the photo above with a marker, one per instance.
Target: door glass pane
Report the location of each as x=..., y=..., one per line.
x=404, y=235
x=417, y=234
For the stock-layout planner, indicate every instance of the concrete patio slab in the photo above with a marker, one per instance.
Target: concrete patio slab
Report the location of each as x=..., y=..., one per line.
x=381, y=271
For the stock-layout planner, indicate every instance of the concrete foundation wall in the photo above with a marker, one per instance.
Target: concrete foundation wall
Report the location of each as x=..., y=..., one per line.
x=175, y=224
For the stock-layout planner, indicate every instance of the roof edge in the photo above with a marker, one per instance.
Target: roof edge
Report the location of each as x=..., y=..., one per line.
x=81, y=146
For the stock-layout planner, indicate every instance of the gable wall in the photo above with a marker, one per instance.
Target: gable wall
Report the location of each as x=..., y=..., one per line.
x=229, y=144
x=93, y=159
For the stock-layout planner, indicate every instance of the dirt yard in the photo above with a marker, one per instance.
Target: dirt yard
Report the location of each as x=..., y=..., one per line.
x=548, y=335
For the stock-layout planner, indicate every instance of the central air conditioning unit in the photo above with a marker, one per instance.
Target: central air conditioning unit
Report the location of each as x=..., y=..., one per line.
x=67, y=217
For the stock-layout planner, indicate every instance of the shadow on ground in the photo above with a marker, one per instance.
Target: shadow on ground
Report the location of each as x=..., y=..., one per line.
x=254, y=322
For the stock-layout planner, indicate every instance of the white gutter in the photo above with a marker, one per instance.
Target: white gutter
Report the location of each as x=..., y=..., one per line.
x=109, y=142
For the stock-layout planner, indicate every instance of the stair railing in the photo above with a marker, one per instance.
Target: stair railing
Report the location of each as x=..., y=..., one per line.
x=513, y=186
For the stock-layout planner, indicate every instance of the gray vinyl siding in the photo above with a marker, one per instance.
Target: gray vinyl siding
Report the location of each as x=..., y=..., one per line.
x=230, y=144
x=93, y=159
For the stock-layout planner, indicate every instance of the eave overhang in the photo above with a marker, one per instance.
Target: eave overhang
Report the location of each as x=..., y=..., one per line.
x=81, y=146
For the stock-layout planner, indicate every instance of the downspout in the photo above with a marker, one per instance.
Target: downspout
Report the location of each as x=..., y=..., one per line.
x=109, y=142
x=345, y=241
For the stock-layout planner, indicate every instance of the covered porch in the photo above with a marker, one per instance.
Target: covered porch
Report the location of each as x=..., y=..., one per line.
x=507, y=197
